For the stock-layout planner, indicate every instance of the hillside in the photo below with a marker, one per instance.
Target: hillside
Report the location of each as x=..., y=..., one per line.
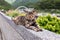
x=17, y=3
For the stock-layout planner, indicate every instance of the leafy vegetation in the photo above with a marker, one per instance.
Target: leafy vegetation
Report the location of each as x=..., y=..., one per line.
x=48, y=4
x=5, y=5
x=14, y=13
x=45, y=4
x=49, y=22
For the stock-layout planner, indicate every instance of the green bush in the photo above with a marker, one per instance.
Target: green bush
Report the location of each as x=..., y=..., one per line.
x=4, y=5
x=51, y=23
x=46, y=4
x=14, y=13
x=5, y=8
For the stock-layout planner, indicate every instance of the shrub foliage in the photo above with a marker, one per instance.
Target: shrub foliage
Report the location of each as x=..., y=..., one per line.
x=51, y=23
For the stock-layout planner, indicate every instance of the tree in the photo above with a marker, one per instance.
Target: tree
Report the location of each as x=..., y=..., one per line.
x=4, y=5
x=49, y=4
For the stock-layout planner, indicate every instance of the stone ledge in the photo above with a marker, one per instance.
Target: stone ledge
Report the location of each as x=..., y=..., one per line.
x=28, y=34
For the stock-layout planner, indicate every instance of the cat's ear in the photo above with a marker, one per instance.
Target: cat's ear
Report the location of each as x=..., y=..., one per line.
x=34, y=12
x=26, y=11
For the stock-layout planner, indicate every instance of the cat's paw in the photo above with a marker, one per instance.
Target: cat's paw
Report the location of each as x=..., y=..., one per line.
x=35, y=29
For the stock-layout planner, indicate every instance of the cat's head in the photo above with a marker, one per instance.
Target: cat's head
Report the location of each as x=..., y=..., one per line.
x=31, y=15
x=30, y=12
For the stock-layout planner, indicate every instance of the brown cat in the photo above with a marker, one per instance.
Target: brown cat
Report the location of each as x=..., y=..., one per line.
x=28, y=21
x=19, y=20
